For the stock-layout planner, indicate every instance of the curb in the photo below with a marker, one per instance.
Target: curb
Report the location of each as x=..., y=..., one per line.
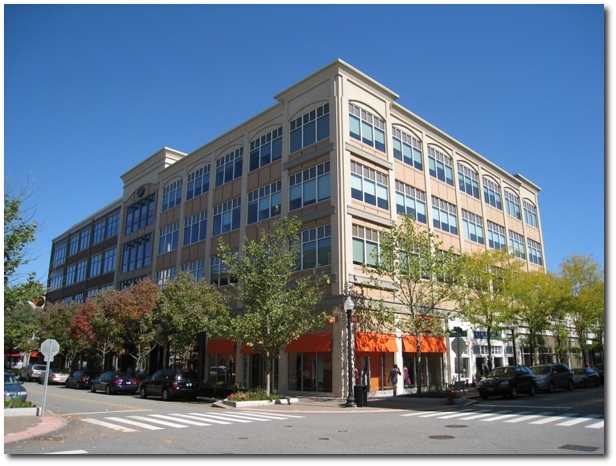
x=47, y=425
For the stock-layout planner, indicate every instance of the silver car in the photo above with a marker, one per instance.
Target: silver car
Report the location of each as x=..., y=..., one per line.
x=32, y=372
x=549, y=377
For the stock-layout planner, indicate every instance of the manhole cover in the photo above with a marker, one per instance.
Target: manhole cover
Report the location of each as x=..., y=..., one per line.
x=578, y=448
x=441, y=437
x=456, y=426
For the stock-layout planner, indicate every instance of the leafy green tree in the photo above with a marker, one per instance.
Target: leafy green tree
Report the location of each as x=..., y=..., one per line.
x=278, y=304
x=22, y=324
x=418, y=278
x=484, y=294
x=57, y=320
x=187, y=307
x=584, y=302
x=19, y=232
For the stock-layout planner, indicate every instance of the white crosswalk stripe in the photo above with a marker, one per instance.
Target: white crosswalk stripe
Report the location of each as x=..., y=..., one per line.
x=180, y=420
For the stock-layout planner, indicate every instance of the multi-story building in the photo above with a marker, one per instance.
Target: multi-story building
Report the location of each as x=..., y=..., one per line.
x=339, y=153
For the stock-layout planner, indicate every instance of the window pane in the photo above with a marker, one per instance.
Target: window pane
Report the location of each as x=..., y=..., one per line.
x=296, y=140
x=310, y=255
x=309, y=133
x=354, y=125
x=358, y=251
x=323, y=127
x=325, y=249
x=356, y=187
x=366, y=134
x=324, y=189
x=369, y=191
x=310, y=192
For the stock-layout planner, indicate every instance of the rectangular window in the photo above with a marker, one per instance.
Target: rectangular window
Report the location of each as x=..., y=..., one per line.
x=366, y=127
x=73, y=245
x=444, y=216
x=137, y=253
x=70, y=274
x=195, y=228
x=227, y=216
x=512, y=202
x=109, y=257
x=113, y=224
x=411, y=201
x=172, y=195
x=468, y=180
x=369, y=186
x=440, y=165
x=365, y=246
x=55, y=281
x=196, y=268
x=229, y=167
x=310, y=128
x=266, y=149
x=95, y=265
x=169, y=238
x=309, y=186
x=473, y=227
x=198, y=182
x=82, y=268
x=59, y=254
x=491, y=193
x=516, y=245
x=164, y=276
x=140, y=214
x=315, y=247
x=534, y=252
x=84, y=240
x=407, y=149
x=530, y=214
x=218, y=272
x=264, y=202
x=496, y=236
x=99, y=232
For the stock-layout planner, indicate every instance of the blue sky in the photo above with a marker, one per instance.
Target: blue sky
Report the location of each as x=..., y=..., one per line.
x=91, y=91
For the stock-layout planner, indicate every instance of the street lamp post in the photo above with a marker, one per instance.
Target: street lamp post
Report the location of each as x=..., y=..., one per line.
x=515, y=356
x=348, y=307
x=458, y=331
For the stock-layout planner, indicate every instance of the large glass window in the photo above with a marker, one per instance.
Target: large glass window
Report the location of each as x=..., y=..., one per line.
x=84, y=240
x=512, y=202
x=55, y=281
x=140, y=214
x=411, y=201
x=73, y=245
x=195, y=228
x=95, y=265
x=496, y=236
x=109, y=258
x=473, y=227
x=137, y=253
x=310, y=372
x=491, y=193
x=198, y=182
x=530, y=214
x=366, y=127
x=444, y=216
x=196, y=268
x=441, y=166
x=164, y=276
x=407, y=149
x=59, y=254
x=516, y=245
x=169, y=238
x=218, y=274
x=468, y=180
x=316, y=248
x=266, y=149
x=264, y=202
x=227, y=216
x=309, y=186
x=172, y=195
x=229, y=167
x=99, y=232
x=70, y=274
x=534, y=252
x=310, y=128
x=369, y=186
x=365, y=246
x=82, y=269
x=113, y=224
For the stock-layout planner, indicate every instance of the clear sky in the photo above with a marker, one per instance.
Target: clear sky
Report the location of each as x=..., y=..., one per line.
x=91, y=91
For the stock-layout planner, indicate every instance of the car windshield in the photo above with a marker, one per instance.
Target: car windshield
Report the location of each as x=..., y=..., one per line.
x=501, y=372
x=8, y=378
x=540, y=370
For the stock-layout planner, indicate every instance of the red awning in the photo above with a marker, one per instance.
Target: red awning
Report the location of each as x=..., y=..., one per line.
x=247, y=349
x=428, y=344
x=35, y=354
x=14, y=355
x=311, y=343
x=375, y=342
x=220, y=346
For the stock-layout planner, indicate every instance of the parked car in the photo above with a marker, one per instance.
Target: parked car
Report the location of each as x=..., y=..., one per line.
x=81, y=379
x=599, y=369
x=53, y=377
x=508, y=381
x=170, y=384
x=553, y=376
x=13, y=389
x=585, y=377
x=32, y=372
x=113, y=382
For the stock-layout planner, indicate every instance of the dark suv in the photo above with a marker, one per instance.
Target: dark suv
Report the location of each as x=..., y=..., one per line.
x=81, y=379
x=170, y=384
x=508, y=381
x=553, y=376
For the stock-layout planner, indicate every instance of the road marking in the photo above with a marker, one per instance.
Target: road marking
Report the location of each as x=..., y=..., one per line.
x=549, y=419
x=463, y=413
x=499, y=418
x=134, y=423
x=577, y=420
x=526, y=418
x=477, y=416
x=597, y=425
x=174, y=417
x=68, y=452
x=98, y=422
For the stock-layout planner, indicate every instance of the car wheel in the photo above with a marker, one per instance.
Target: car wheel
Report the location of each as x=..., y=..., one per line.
x=513, y=394
x=551, y=387
x=93, y=389
x=570, y=385
x=165, y=394
x=143, y=393
x=108, y=390
x=532, y=391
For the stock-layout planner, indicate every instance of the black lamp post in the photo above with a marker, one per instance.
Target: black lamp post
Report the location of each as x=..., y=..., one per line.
x=348, y=307
x=515, y=356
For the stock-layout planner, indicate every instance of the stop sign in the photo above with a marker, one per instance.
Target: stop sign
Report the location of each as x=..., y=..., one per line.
x=50, y=348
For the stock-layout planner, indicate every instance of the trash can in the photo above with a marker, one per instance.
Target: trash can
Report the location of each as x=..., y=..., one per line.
x=360, y=393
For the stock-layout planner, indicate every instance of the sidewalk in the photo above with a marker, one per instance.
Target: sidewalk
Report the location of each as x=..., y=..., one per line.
x=18, y=428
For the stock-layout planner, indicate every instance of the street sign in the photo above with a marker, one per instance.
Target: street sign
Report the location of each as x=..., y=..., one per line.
x=50, y=348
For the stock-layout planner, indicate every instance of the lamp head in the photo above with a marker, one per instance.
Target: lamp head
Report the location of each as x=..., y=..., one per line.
x=349, y=304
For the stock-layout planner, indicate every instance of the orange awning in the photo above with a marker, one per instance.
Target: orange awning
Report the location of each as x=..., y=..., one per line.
x=220, y=346
x=311, y=343
x=375, y=342
x=428, y=344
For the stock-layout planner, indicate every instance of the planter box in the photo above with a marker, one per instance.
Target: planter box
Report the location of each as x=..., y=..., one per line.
x=248, y=404
x=22, y=412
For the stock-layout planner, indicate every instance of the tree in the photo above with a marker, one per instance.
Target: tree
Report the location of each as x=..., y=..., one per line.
x=187, y=307
x=418, y=277
x=19, y=232
x=57, y=320
x=22, y=324
x=584, y=302
x=277, y=303
x=484, y=293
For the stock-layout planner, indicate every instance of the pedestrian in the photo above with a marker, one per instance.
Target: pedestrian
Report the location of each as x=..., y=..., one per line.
x=407, y=377
x=393, y=377
x=356, y=374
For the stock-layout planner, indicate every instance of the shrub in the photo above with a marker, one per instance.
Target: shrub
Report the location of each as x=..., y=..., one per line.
x=17, y=403
x=257, y=394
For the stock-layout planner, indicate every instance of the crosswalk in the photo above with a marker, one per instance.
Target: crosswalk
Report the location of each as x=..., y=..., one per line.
x=571, y=419
x=135, y=423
